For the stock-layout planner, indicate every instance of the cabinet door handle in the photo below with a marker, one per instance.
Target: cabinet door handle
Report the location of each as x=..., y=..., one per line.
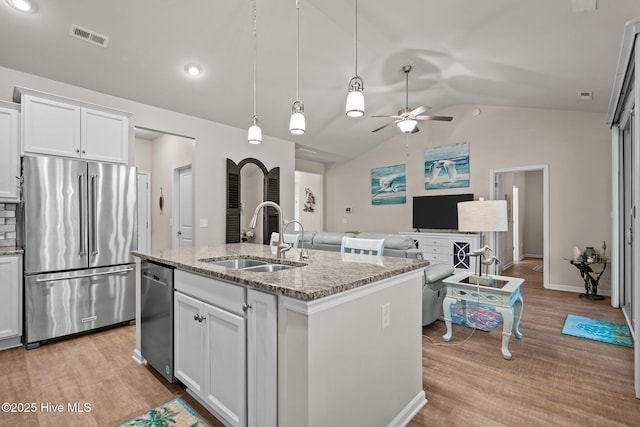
x=199, y=318
x=246, y=307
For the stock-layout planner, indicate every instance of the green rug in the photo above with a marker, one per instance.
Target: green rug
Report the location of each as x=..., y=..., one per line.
x=173, y=413
x=597, y=330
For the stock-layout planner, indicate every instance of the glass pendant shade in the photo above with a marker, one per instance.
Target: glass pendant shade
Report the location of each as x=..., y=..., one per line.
x=407, y=126
x=297, y=122
x=255, y=133
x=355, y=98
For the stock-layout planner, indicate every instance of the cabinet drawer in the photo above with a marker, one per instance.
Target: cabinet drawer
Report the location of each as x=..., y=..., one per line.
x=443, y=250
x=435, y=257
x=434, y=242
x=215, y=292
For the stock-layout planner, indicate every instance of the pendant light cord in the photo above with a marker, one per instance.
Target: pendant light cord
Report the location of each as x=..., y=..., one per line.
x=255, y=59
x=355, y=26
x=298, y=52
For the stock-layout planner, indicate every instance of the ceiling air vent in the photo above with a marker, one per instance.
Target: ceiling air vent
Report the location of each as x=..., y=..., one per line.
x=88, y=35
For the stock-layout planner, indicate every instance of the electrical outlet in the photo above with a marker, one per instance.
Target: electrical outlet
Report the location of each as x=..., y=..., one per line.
x=386, y=315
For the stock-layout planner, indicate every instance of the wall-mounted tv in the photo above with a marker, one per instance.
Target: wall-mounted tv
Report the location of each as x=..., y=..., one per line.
x=437, y=212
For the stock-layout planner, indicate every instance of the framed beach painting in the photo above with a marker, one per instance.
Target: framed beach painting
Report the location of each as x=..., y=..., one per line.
x=389, y=185
x=446, y=166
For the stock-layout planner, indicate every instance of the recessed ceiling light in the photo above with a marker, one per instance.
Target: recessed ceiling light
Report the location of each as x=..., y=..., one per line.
x=21, y=5
x=194, y=70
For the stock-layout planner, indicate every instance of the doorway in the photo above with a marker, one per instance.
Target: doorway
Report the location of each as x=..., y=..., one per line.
x=144, y=213
x=504, y=244
x=182, y=220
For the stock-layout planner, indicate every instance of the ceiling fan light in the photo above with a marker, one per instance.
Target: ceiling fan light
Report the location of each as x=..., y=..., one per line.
x=355, y=98
x=297, y=121
x=254, y=136
x=21, y=5
x=407, y=125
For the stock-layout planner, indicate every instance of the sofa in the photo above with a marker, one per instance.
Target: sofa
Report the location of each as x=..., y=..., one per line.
x=398, y=245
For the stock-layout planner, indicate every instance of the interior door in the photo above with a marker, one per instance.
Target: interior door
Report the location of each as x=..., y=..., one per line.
x=184, y=212
x=627, y=218
x=144, y=214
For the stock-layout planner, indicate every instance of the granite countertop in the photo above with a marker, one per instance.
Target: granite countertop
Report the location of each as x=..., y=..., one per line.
x=325, y=273
x=11, y=250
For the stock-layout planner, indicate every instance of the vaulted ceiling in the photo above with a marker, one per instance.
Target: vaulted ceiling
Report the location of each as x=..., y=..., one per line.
x=538, y=54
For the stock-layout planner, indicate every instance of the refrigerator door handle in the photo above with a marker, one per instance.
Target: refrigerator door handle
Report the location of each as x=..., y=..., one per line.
x=83, y=249
x=80, y=276
x=94, y=208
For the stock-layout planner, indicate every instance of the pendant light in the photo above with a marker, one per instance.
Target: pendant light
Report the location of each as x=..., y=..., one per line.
x=297, y=122
x=355, y=98
x=254, y=136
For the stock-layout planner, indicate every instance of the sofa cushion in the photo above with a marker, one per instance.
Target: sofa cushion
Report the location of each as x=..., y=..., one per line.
x=330, y=238
x=393, y=241
x=437, y=271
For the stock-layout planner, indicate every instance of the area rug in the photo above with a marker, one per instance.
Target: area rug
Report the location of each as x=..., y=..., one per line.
x=598, y=330
x=174, y=413
x=483, y=317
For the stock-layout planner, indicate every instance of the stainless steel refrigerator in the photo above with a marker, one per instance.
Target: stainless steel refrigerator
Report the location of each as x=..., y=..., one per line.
x=78, y=222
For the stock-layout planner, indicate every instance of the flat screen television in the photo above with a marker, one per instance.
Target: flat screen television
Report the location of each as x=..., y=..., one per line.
x=437, y=212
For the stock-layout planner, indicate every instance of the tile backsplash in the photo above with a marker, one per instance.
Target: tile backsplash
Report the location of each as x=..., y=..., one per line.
x=8, y=224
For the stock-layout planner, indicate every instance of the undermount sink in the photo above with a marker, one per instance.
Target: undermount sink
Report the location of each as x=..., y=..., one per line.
x=268, y=268
x=237, y=263
x=250, y=264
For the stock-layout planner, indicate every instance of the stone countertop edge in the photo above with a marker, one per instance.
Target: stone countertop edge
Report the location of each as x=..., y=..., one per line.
x=11, y=250
x=325, y=273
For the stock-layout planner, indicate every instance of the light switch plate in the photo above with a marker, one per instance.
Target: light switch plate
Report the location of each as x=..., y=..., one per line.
x=204, y=223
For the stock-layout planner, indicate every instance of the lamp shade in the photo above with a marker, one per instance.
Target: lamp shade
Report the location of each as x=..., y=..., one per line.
x=255, y=135
x=482, y=216
x=407, y=126
x=355, y=104
x=296, y=124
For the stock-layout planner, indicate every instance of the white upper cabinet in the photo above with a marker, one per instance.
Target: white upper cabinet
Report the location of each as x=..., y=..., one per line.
x=9, y=160
x=59, y=126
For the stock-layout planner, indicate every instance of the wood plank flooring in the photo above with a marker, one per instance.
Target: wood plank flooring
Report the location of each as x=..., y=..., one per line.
x=552, y=380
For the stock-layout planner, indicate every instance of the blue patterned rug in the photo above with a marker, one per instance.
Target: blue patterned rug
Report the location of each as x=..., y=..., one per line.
x=172, y=413
x=483, y=317
x=598, y=330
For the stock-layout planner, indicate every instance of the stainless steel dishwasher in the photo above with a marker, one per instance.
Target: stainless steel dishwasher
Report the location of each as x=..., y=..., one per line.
x=156, y=317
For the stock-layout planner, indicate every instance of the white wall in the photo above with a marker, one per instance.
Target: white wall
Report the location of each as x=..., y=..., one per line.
x=576, y=146
x=214, y=143
x=533, y=224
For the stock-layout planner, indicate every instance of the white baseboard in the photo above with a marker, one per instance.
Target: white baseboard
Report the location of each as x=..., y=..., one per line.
x=409, y=411
x=137, y=356
x=532, y=256
x=578, y=290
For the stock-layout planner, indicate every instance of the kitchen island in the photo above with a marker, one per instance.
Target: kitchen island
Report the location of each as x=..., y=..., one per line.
x=345, y=334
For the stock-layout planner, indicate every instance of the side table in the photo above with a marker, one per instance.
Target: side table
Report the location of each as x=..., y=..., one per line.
x=591, y=278
x=503, y=293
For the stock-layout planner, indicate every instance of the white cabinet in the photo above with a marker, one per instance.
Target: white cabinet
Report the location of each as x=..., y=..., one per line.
x=9, y=160
x=449, y=248
x=59, y=126
x=10, y=301
x=225, y=339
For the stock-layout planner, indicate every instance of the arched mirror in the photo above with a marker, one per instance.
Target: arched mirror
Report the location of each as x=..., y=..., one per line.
x=248, y=184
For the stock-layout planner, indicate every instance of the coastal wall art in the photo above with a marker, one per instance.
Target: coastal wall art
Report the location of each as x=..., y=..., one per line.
x=389, y=185
x=446, y=166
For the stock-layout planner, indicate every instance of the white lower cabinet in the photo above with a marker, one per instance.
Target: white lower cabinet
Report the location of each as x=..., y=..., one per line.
x=10, y=301
x=225, y=339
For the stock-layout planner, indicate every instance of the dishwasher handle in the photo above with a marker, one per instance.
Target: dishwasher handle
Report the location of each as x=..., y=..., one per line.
x=153, y=278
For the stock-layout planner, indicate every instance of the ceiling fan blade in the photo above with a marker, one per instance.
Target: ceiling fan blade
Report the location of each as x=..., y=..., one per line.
x=417, y=111
x=439, y=118
x=384, y=126
x=393, y=117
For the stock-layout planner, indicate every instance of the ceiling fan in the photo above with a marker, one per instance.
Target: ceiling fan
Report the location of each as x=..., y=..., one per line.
x=407, y=119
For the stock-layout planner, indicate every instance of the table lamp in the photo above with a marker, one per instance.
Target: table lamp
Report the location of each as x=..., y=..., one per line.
x=482, y=216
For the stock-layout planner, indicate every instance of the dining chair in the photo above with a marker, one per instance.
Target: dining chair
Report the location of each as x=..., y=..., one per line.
x=362, y=246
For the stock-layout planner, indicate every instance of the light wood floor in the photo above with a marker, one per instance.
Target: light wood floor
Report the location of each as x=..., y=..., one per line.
x=552, y=380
